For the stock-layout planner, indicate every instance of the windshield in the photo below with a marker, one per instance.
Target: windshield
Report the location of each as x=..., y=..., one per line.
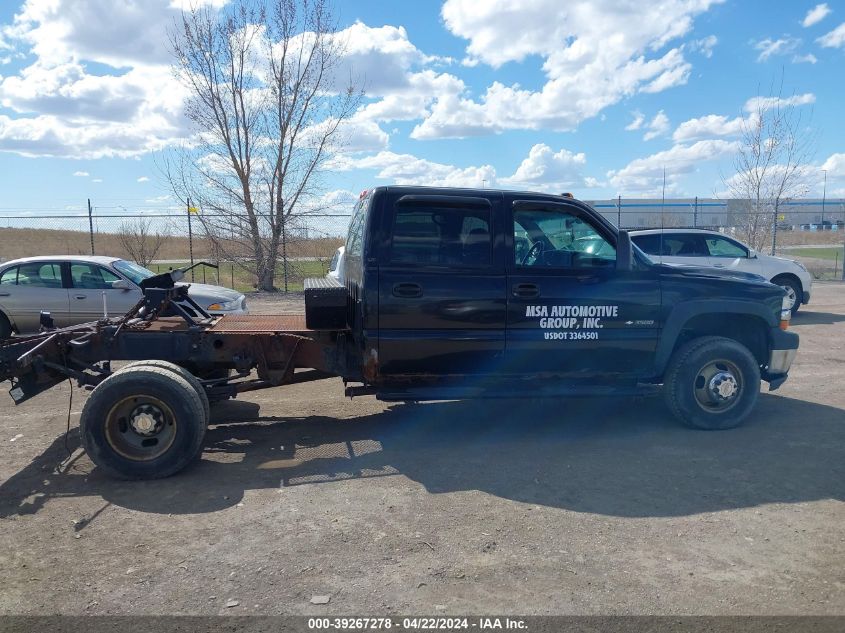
x=133, y=271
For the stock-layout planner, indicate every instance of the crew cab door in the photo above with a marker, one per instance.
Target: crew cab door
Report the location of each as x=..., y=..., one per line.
x=570, y=311
x=441, y=287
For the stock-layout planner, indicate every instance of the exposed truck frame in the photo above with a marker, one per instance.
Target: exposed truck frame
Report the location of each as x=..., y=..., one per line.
x=272, y=345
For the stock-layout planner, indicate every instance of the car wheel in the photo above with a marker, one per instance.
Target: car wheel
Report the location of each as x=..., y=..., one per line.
x=712, y=383
x=5, y=327
x=793, y=291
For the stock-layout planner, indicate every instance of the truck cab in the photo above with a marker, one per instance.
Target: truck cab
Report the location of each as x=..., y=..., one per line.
x=465, y=292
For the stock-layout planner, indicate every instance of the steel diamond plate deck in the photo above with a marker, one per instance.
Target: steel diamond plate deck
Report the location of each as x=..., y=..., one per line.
x=258, y=323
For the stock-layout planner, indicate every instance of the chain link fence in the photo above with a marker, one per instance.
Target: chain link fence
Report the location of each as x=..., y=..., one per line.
x=811, y=231
x=161, y=241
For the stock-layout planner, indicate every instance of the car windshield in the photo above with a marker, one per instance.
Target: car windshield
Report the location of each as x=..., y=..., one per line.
x=136, y=273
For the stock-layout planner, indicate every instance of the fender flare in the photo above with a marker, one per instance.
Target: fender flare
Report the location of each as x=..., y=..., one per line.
x=682, y=313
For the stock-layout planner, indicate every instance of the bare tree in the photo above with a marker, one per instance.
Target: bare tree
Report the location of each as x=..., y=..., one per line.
x=140, y=241
x=266, y=114
x=771, y=166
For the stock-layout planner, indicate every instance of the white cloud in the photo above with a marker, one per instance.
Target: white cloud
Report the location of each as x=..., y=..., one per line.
x=769, y=47
x=97, y=180
x=130, y=104
x=143, y=179
x=410, y=170
x=546, y=169
x=637, y=123
x=815, y=15
x=809, y=58
x=705, y=45
x=644, y=176
x=835, y=166
x=594, y=53
x=764, y=103
x=81, y=174
x=834, y=39
x=116, y=33
x=707, y=127
x=658, y=126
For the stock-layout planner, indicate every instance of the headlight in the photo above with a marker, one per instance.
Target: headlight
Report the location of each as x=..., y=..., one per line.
x=785, y=313
x=234, y=304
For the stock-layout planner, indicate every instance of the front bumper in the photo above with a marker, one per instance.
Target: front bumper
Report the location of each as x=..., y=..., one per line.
x=783, y=350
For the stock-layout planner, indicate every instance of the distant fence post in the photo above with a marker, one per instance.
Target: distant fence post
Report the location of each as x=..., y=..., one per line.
x=190, y=239
x=619, y=211
x=775, y=228
x=91, y=225
x=695, y=214
x=284, y=250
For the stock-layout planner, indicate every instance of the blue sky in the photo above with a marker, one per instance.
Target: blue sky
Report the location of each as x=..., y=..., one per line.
x=596, y=97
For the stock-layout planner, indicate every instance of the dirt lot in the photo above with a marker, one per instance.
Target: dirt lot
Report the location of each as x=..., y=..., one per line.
x=578, y=506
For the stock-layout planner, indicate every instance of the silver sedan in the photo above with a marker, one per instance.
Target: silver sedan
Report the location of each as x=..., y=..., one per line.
x=74, y=289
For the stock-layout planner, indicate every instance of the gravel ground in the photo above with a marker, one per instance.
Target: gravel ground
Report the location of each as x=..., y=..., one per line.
x=582, y=506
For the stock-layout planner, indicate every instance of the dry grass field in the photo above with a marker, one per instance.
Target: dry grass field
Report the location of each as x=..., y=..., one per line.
x=20, y=242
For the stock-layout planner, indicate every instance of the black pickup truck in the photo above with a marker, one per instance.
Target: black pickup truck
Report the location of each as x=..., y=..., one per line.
x=449, y=293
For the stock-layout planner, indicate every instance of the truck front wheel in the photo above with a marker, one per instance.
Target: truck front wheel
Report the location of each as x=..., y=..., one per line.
x=712, y=383
x=143, y=423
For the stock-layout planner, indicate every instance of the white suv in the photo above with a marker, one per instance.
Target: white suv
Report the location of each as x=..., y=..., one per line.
x=696, y=247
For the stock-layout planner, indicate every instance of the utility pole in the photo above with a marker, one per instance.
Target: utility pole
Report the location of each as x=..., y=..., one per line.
x=91, y=225
x=619, y=211
x=695, y=214
x=824, y=195
x=190, y=239
x=663, y=200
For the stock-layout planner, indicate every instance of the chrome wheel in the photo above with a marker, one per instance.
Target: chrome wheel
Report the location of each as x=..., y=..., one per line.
x=718, y=386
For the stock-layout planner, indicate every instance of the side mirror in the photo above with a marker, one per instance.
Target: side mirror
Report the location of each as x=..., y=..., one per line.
x=624, y=252
x=121, y=284
x=752, y=254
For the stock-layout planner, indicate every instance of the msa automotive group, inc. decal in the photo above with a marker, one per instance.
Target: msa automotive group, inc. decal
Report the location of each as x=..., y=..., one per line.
x=571, y=323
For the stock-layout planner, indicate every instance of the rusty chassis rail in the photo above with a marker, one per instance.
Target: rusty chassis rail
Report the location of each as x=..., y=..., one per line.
x=272, y=346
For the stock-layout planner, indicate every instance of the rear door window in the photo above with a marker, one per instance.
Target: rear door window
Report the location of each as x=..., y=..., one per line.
x=40, y=275
x=434, y=235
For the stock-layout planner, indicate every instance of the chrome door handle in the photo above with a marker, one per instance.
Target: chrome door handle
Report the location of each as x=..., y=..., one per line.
x=4, y=294
x=81, y=297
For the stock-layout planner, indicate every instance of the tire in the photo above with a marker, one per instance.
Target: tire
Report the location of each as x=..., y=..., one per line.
x=180, y=371
x=5, y=327
x=143, y=423
x=712, y=383
x=793, y=289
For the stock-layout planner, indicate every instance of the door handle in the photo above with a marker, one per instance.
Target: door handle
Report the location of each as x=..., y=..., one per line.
x=589, y=279
x=80, y=296
x=525, y=291
x=407, y=290
x=4, y=294
x=718, y=265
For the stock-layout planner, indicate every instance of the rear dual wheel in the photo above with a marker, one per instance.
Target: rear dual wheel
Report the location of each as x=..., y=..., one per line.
x=144, y=422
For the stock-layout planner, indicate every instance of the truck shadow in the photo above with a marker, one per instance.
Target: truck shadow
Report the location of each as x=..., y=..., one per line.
x=617, y=457
x=805, y=317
